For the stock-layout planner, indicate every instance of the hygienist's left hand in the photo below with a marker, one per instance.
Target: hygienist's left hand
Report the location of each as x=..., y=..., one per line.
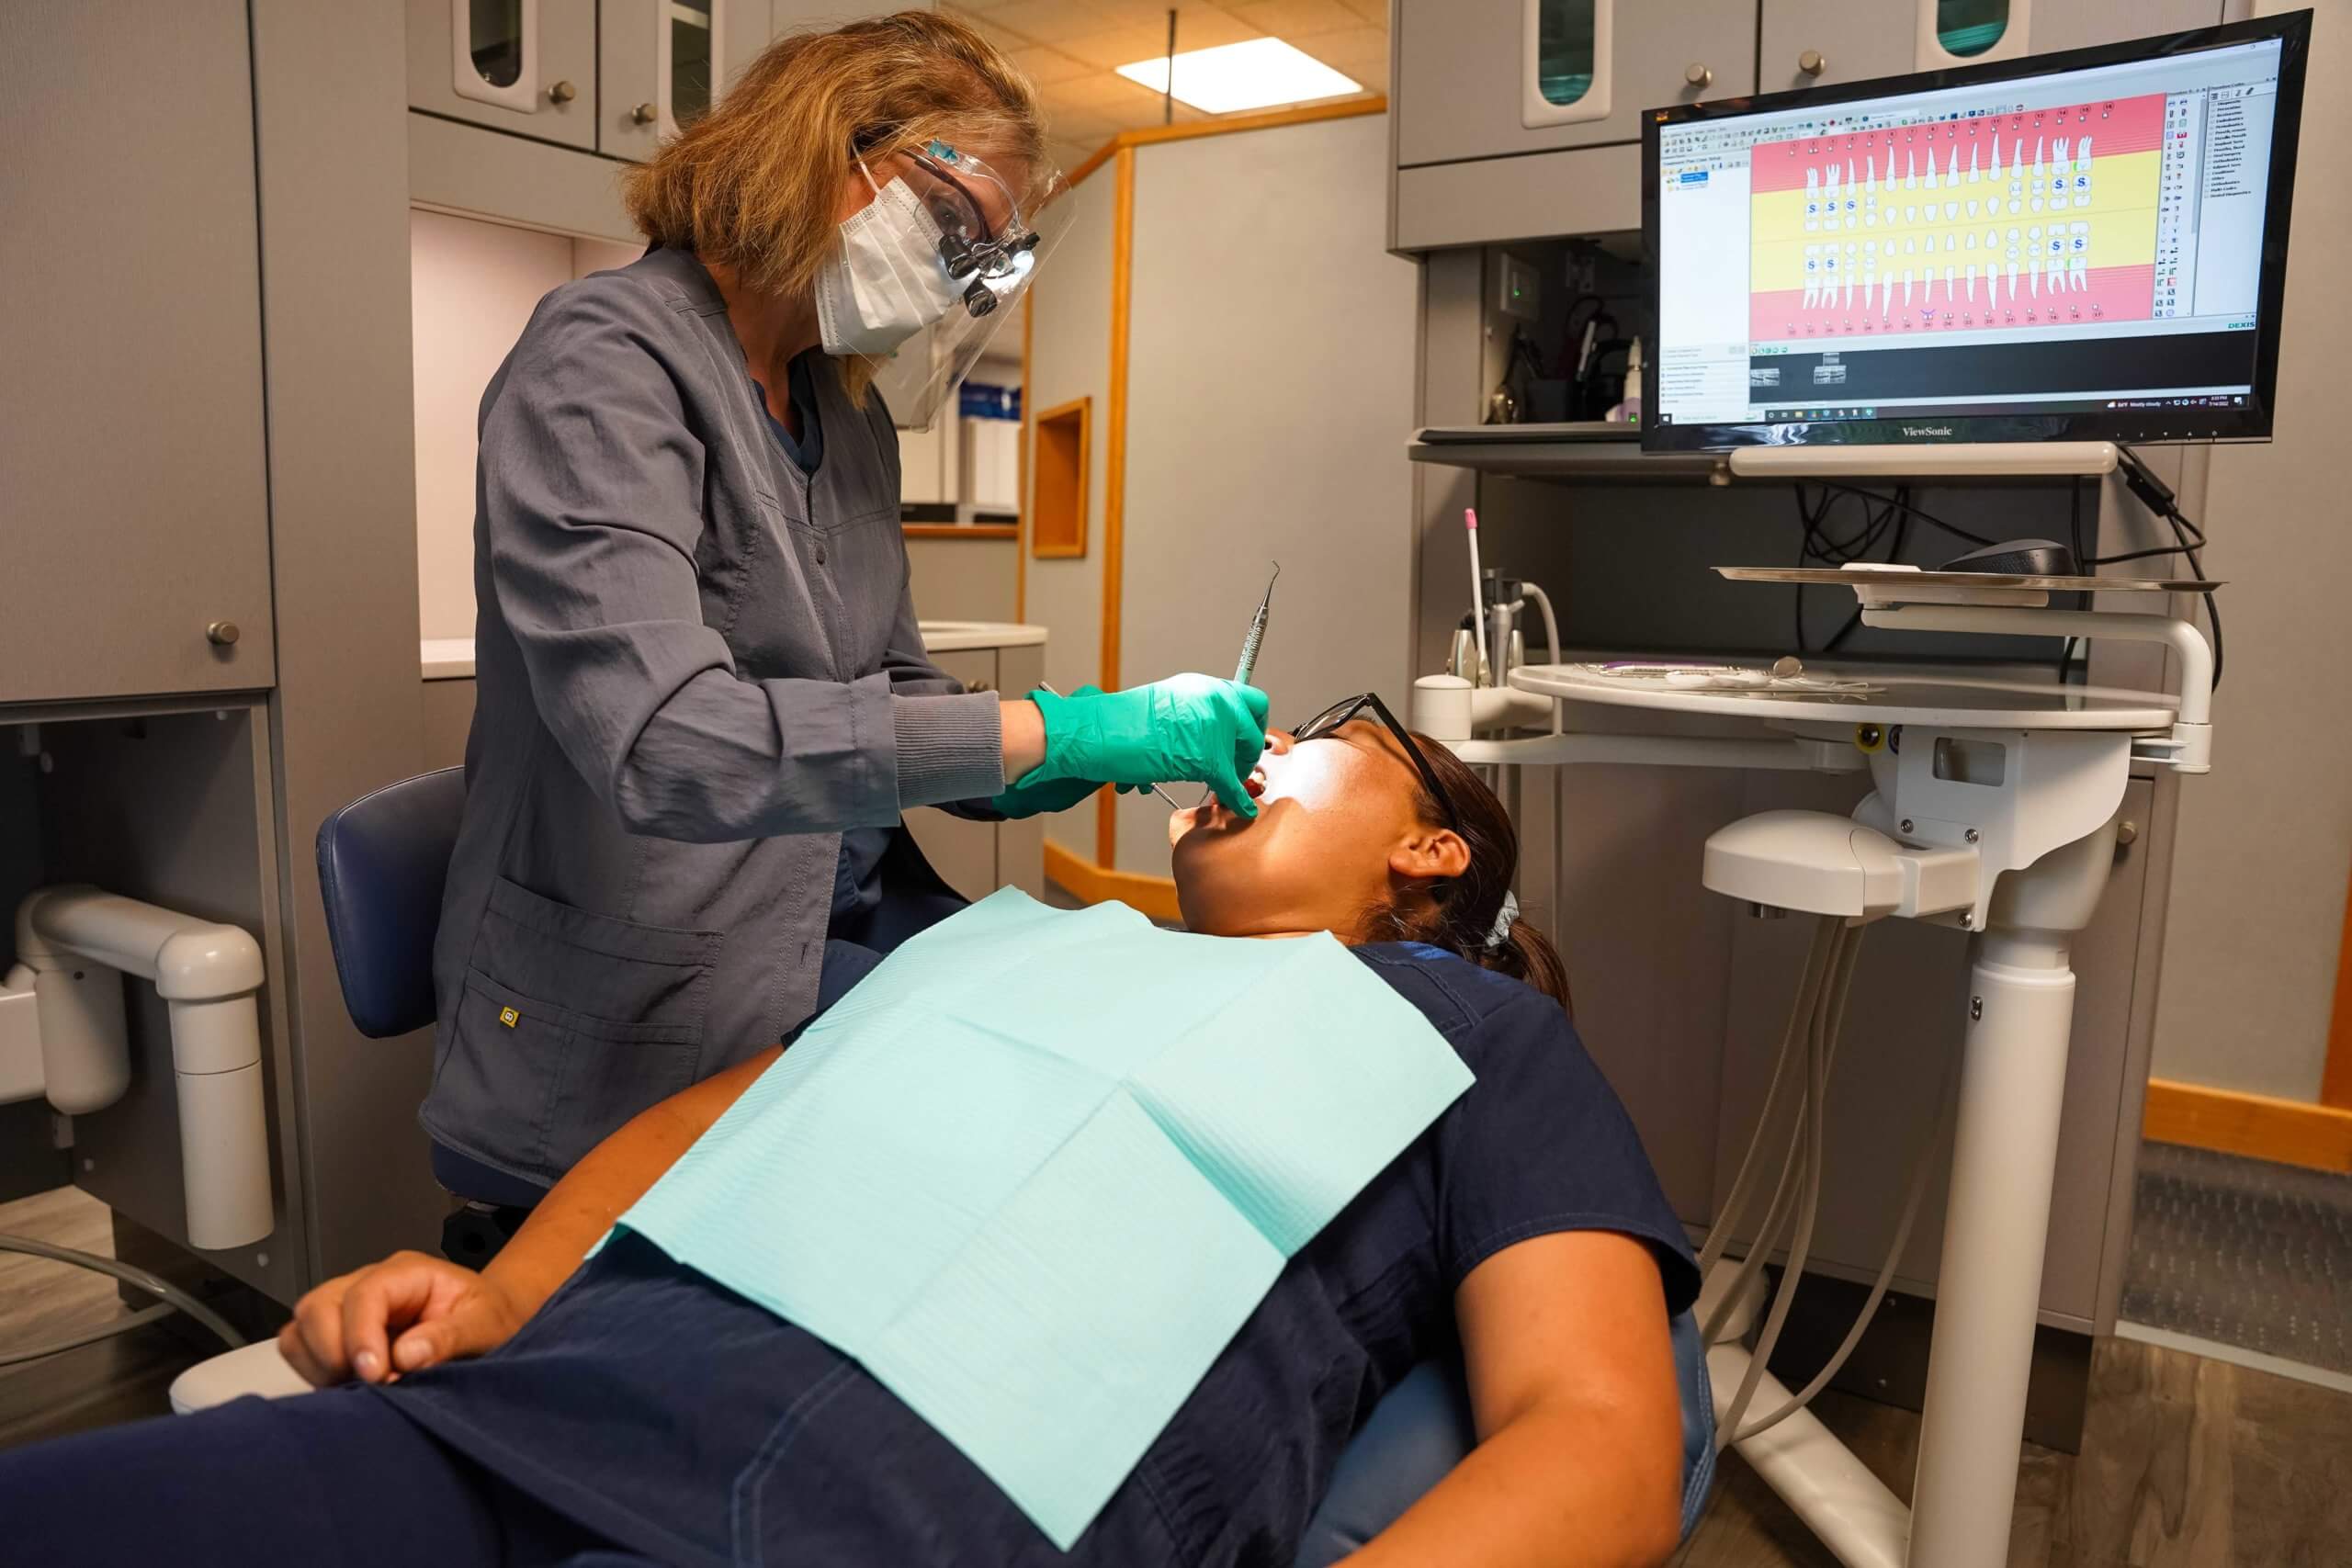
x=440, y=1311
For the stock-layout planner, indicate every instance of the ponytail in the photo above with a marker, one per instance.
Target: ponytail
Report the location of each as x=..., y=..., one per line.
x=1467, y=914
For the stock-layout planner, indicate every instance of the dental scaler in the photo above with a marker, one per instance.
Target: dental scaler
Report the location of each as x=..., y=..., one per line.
x=1249, y=665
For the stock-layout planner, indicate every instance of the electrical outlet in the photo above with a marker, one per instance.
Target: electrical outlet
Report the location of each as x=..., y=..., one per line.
x=1521, y=290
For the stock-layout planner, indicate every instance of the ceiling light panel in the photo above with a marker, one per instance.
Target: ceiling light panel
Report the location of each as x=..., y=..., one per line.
x=1255, y=74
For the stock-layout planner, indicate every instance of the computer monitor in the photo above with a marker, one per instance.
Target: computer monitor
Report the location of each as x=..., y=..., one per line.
x=2081, y=246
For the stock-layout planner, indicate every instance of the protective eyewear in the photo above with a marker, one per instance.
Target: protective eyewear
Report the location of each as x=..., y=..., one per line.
x=1324, y=724
x=958, y=190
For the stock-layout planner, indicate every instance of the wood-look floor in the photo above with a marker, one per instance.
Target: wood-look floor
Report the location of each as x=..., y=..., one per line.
x=2186, y=1462
x=96, y=1385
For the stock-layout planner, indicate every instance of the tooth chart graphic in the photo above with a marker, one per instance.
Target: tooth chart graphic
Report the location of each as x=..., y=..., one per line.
x=2043, y=217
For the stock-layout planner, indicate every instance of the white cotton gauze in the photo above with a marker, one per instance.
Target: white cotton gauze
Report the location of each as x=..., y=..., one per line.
x=1038, y=1167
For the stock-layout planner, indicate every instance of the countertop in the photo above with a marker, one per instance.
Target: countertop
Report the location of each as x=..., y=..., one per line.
x=452, y=658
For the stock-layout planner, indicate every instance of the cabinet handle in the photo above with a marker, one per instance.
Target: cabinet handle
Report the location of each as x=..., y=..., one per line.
x=1698, y=75
x=1813, y=62
x=644, y=114
x=562, y=93
x=221, y=634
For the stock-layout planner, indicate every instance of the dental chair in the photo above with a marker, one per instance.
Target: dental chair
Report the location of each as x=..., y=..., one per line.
x=382, y=860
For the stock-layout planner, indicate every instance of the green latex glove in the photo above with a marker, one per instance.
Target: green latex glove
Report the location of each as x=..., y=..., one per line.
x=1188, y=726
x=1034, y=796
x=1043, y=796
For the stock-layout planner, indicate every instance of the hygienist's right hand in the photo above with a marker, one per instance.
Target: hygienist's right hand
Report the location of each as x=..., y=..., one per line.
x=1186, y=727
x=438, y=1312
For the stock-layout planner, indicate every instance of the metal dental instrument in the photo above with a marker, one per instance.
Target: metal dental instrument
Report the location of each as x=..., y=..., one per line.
x=1248, y=664
x=1243, y=671
x=1047, y=686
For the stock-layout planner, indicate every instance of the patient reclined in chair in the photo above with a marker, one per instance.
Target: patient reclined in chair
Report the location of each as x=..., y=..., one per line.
x=668, y=1401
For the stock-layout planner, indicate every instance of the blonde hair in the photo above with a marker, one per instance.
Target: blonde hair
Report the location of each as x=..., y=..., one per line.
x=753, y=184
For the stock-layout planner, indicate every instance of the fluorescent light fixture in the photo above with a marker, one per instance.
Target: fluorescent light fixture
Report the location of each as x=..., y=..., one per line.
x=1254, y=75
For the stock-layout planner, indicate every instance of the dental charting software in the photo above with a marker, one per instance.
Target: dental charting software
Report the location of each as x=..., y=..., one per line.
x=2076, y=242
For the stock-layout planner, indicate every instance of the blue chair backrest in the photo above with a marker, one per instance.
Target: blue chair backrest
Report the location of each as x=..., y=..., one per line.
x=1421, y=1429
x=382, y=861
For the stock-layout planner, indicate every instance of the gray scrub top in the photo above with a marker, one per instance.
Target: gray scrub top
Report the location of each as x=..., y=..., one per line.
x=695, y=665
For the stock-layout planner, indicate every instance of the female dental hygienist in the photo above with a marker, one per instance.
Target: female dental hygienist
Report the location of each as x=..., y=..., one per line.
x=702, y=698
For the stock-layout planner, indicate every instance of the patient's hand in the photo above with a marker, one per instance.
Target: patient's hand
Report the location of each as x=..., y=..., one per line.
x=403, y=1314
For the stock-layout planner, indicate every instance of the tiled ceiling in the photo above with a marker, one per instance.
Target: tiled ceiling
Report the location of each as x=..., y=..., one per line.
x=1071, y=50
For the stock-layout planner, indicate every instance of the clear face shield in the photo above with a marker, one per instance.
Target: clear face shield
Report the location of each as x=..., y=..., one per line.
x=959, y=253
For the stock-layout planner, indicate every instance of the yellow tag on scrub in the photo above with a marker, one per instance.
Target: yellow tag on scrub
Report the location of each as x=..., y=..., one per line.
x=509, y=1017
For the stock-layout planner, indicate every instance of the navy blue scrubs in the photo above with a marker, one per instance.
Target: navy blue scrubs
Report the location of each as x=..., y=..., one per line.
x=656, y=1413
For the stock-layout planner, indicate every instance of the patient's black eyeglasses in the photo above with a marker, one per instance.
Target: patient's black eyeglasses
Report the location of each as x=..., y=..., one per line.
x=1347, y=710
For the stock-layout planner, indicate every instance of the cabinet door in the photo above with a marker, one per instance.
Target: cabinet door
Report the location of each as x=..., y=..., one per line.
x=658, y=64
x=1485, y=78
x=1805, y=43
x=132, y=499
x=2078, y=23
x=525, y=66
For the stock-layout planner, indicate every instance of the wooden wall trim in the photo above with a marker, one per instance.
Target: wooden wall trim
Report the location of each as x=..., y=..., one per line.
x=1115, y=469
x=2291, y=1131
x=1021, y=498
x=1305, y=114
x=1153, y=896
x=2335, y=1078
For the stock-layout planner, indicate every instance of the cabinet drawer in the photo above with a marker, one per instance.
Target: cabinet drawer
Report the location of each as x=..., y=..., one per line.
x=524, y=66
x=1489, y=78
x=1591, y=190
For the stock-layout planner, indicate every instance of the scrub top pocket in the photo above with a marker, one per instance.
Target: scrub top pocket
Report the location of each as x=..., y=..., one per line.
x=622, y=1030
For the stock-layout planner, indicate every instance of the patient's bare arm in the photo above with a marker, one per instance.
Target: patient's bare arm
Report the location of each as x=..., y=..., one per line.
x=411, y=1310
x=1580, y=1455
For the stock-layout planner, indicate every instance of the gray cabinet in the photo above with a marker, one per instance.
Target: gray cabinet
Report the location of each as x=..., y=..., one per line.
x=133, y=499
x=1804, y=43
x=527, y=67
x=1490, y=78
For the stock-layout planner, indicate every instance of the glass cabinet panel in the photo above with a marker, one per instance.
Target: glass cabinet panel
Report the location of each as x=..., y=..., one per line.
x=494, y=40
x=1966, y=27
x=1565, y=31
x=692, y=40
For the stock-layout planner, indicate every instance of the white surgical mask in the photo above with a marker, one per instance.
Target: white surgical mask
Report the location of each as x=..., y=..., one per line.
x=886, y=283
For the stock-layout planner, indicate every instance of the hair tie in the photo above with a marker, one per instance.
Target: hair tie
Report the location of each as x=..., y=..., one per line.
x=1504, y=918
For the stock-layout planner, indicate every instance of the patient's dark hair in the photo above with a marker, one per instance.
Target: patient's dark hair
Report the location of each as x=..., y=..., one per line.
x=1460, y=911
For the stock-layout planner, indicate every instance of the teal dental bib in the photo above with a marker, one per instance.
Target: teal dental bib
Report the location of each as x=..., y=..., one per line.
x=1035, y=1209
